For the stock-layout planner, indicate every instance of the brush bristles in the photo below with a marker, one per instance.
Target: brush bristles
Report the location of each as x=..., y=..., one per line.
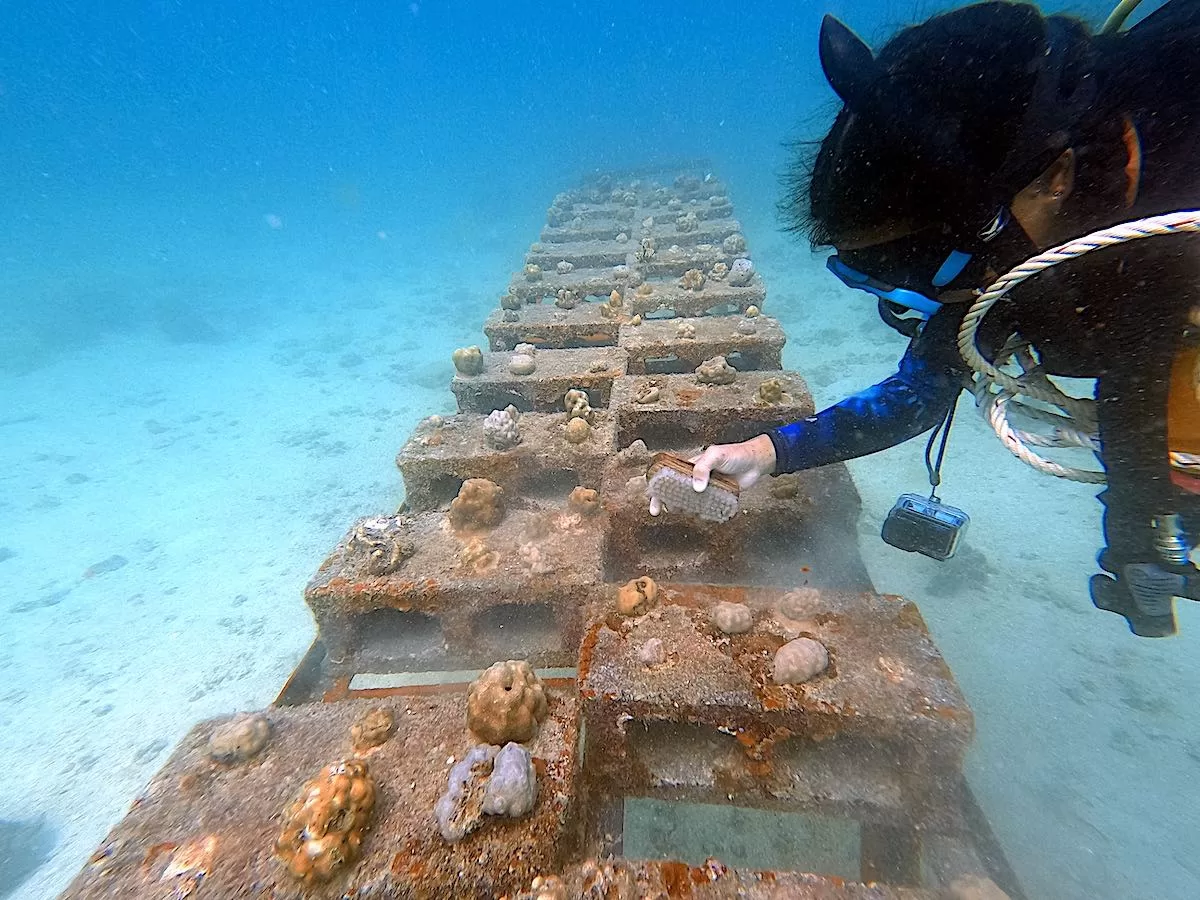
x=673, y=489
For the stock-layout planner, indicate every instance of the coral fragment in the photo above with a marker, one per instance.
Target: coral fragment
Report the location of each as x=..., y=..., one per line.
x=506, y=703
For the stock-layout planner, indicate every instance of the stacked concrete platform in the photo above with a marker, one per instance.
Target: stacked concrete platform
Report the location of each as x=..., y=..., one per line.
x=525, y=513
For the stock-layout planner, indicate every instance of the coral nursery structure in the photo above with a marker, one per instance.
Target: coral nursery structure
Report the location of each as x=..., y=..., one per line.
x=520, y=658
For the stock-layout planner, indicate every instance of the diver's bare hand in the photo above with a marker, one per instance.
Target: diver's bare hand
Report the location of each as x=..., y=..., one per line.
x=745, y=463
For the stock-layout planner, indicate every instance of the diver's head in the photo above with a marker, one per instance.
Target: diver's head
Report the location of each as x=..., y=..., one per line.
x=953, y=157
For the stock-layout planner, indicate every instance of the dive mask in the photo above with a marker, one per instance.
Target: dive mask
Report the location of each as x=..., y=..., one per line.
x=911, y=272
x=905, y=298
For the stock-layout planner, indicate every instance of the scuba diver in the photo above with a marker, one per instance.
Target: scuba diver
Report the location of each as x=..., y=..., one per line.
x=972, y=142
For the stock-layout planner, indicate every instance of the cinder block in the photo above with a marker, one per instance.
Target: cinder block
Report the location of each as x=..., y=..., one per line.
x=437, y=459
x=199, y=822
x=717, y=298
x=558, y=371
x=678, y=346
x=799, y=527
x=547, y=327
x=879, y=737
x=458, y=599
x=598, y=247
x=686, y=413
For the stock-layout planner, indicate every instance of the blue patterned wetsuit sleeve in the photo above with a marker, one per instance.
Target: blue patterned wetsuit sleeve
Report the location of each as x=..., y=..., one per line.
x=898, y=408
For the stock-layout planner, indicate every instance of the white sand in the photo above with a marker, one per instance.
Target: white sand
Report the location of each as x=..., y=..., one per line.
x=222, y=474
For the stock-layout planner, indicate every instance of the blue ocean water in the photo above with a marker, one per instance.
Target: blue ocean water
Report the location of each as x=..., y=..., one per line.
x=237, y=245
x=144, y=141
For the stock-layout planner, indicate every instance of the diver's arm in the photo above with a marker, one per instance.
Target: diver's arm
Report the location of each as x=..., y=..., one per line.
x=898, y=408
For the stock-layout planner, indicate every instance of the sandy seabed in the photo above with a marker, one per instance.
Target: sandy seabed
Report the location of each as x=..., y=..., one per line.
x=164, y=504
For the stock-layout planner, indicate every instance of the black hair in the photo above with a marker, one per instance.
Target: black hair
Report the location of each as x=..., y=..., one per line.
x=968, y=83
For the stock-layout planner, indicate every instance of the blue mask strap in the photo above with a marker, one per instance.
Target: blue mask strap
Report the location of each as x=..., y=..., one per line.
x=951, y=268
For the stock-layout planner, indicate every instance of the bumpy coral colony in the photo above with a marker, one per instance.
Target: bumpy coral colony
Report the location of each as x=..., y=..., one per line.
x=324, y=826
x=506, y=703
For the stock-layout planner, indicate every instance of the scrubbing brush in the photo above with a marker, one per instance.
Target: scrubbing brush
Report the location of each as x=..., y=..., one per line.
x=669, y=481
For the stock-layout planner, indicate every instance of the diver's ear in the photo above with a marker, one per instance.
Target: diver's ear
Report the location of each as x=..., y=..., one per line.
x=1038, y=206
x=1060, y=177
x=847, y=62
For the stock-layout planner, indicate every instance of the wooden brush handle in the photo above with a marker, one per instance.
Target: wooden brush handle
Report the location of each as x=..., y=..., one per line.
x=684, y=467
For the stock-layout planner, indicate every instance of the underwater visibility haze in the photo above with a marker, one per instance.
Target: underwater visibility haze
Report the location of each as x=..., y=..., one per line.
x=240, y=246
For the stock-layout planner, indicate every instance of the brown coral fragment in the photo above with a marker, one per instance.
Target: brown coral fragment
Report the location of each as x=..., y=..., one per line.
x=240, y=739
x=189, y=865
x=548, y=887
x=535, y=560
x=577, y=431
x=799, y=660
x=522, y=364
x=647, y=392
x=611, y=880
x=478, y=556
x=614, y=306
x=430, y=431
x=479, y=504
x=323, y=827
x=734, y=245
x=716, y=371
x=637, y=596
x=771, y=393
x=800, y=603
x=578, y=405
x=373, y=729
x=584, y=501
x=506, y=703
x=645, y=250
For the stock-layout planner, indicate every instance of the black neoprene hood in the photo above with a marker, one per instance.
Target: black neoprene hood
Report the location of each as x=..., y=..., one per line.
x=948, y=123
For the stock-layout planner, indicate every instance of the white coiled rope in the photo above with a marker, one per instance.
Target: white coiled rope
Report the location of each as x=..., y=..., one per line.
x=997, y=391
